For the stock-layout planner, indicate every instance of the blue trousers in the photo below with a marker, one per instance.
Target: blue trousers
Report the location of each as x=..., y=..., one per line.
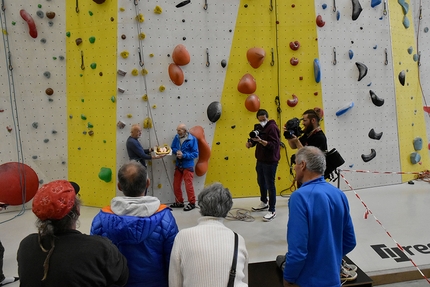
x=266, y=174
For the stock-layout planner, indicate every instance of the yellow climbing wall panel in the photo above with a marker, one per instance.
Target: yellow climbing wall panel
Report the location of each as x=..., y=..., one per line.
x=410, y=114
x=260, y=26
x=91, y=84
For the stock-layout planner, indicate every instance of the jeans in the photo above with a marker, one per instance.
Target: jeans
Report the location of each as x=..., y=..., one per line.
x=266, y=180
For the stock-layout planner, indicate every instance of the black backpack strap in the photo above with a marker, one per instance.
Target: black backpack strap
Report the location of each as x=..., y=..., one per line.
x=234, y=263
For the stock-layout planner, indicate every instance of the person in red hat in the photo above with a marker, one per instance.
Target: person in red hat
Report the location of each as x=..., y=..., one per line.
x=60, y=255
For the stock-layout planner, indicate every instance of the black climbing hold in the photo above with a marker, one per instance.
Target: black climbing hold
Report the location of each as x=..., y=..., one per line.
x=226, y=158
x=183, y=3
x=377, y=101
x=218, y=143
x=362, y=69
x=233, y=127
x=402, y=77
x=369, y=157
x=223, y=63
x=356, y=9
x=411, y=182
x=214, y=111
x=375, y=136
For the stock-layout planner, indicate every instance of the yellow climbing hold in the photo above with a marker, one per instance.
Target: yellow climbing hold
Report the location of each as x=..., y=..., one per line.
x=121, y=9
x=151, y=55
x=142, y=36
x=160, y=185
x=135, y=72
x=158, y=10
x=154, y=106
x=147, y=123
x=145, y=97
x=144, y=72
x=129, y=115
x=124, y=54
x=5, y=32
x=140, y=18
x=161, y=88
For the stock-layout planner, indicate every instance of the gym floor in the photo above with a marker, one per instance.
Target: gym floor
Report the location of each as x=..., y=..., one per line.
x=398, y=214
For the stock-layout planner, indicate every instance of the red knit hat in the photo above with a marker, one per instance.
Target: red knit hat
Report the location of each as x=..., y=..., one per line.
x=55, y=200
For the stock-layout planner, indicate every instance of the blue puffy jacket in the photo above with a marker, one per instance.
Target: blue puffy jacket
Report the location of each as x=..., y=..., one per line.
x=146, y=242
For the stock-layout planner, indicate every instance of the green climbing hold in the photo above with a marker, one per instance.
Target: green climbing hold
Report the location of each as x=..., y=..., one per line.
x=92, y=40
x=90, y=125
x=82, y=100
x=91, y=13
x=68, y=34
x=13, y=23
x=113, y=99
x=83, y=117
x=104, y=141
x=39, y=5
x=93, y=66
x=105, y=174
x=55, y=58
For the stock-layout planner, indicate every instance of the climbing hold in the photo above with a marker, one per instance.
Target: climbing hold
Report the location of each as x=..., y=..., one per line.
x=121, y=90
x=54, y=132
x=121, y=72
x=78, y=41
x=293, y=102
x=113, y=99
x=375, y=3
x=43, y=40
x=105, y=174
x=375, y=99
x=375, y=136
x=135, y=72
x=99, y=1
x=183, y=3
x=50, y=15
x=247, y=84
x=124, y=54
x=90, y=125
x=426, y=109
x=402, y=77
x=90, y=133
x=35, y=125
x=252, y=103
x=406, y=22
x=255, y=57
x=180, y=55
x=17, y=179
x=47, y=74
x=362, y=70
x=49, y=91
x=144, y=72
x=370, y=156
x=145, y=97
x=83, y=117
x=337, y=15
x=40, y=14
x=162, y=88
x=346, y=108
x=46, y=140
x=30, y=22
x=158, y=10
x=204, y=150
x=93, y=66
x=294, y=45
x=92, y=39
x=320, y=22
x=223, y=63
x=34, y=157
x=294, y=61
x=50, y=23
x=426, y=29
x=415, y=57
x=142, y=36
x=410, y=50
x=418, y=143
x=415, y=158
x=350, y=54
x=356, y=9
x=123, y=36
x=317, y=70
x=405, y=6
x=9, y=129
x=214, y=111
x=176, y=74
x=324, y=6
x=147, y=123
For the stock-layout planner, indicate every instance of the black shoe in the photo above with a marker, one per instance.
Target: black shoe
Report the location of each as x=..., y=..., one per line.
x=189, y=207
x=177, y=205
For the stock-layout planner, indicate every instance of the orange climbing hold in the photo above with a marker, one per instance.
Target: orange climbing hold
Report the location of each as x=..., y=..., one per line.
x=204, y=150
x=247, y=85
x=180, y=55
x=293, y=102
x=176, y=74
x=252, y=103
x=255, y=57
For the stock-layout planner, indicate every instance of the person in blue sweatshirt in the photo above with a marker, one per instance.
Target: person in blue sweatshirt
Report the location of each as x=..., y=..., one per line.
x=320, y=231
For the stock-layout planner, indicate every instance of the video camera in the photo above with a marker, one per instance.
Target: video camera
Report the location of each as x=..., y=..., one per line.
x=292, y=128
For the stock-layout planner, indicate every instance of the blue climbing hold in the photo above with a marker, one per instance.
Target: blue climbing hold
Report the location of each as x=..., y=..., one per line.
x=337, y=15
x=351, y=54
x=405, y=6
x=346, y=108
x=418, y=143
x=410, y=50
x=375, y=3
x=406, y=22
x=317, y=70
x=415, y=158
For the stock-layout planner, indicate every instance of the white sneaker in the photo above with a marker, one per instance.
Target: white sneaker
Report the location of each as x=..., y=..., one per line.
x=346, y=275
x=349, y=267
x=269, y=216
x=260, y=207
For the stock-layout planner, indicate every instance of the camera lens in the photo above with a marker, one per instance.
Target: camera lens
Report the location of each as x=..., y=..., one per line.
x=253, y=134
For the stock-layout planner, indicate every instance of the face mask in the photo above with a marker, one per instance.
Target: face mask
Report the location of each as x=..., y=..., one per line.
x=263, y=123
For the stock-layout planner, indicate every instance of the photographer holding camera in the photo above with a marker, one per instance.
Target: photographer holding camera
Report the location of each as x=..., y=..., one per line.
x=266, y=138
x=312, y=133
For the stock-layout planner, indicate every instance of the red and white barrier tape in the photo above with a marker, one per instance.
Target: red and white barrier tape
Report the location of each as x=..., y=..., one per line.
x=368, y=211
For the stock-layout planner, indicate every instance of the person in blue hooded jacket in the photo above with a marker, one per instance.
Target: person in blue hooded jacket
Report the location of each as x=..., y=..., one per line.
x=143, y=229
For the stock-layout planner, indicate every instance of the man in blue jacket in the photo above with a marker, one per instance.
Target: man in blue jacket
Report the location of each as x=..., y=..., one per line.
x=186, y=149
x=320, y=230
x=141, y=228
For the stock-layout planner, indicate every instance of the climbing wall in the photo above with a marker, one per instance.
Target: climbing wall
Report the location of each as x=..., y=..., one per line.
x=96, y=69
x=33, y=97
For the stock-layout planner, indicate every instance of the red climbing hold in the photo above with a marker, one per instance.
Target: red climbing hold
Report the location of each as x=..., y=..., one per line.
x=31, y=25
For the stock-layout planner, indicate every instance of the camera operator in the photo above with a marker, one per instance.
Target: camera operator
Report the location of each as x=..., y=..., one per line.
x=266, y=138
x=312, y=133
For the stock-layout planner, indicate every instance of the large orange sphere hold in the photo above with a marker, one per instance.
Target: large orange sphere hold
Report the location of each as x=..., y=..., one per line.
x=204, y=150
x=247, y=85
x=180, y=55
x=252, y=103
x=15, y=178
x=176, y=74
x=255, y=57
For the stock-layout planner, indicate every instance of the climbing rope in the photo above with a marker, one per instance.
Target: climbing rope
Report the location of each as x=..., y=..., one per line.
x=14, y=110
x=240, y=214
